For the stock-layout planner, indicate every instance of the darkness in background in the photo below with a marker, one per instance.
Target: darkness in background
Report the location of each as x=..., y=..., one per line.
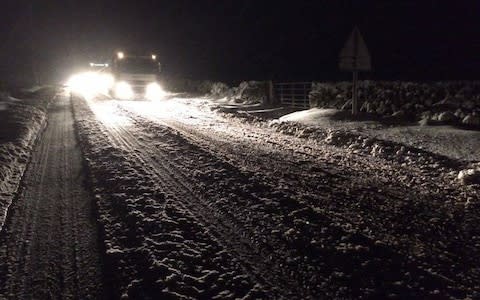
x=250, y=39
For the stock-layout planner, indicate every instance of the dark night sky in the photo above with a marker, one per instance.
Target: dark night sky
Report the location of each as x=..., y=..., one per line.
x=232, y=40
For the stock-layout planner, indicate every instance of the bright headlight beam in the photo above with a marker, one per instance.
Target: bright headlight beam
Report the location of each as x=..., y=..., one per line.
x=106, y=81
x=154, y=91
x=90, y=84
x=123, y=91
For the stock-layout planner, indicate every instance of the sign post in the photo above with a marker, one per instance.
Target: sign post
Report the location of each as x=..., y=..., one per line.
x=355, y=57
x=355, y=93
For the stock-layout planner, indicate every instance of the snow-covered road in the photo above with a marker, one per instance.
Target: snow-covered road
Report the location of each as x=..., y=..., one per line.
x=49, y=248
x=198, y=204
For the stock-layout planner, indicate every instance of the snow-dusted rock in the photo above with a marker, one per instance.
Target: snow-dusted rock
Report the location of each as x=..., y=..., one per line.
x=398, y=113
x=425, y=118
x=427, y=114
x=400, y=152
x=459, y=113
x=448, y=101
x=469, y=176
x=366, y=106
x=381, y=108
x=471, y=120
x=347, y=105
x=446, y=116
x=377, y=150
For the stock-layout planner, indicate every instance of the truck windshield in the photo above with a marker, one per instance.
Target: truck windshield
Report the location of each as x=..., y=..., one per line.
x=137, y=65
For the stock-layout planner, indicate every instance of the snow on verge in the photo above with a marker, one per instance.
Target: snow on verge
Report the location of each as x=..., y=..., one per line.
x=20, y=125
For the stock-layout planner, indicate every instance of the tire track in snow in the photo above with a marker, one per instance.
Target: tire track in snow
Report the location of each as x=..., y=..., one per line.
x=323, y=278
x=380, y=182
x=225, y=231
x=145, y=216
x=49, y=247
x=195, y=134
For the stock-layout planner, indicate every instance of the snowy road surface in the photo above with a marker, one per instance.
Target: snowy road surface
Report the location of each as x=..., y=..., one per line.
x=195, y=204
x=49, y=249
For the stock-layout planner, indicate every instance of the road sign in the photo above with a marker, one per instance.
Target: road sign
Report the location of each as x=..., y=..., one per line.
x=354, y=57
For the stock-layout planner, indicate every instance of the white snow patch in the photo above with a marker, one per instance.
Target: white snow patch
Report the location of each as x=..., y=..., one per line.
x=311, y=116
x=20, y=125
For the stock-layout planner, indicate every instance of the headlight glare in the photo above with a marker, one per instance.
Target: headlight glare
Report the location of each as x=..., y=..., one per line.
x=123, y=91
x=154, y=91
x=90, y=84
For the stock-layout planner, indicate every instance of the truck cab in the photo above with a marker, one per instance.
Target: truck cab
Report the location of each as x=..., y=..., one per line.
x=136, y=76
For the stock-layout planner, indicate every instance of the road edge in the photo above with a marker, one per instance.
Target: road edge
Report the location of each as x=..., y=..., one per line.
x=17, y=186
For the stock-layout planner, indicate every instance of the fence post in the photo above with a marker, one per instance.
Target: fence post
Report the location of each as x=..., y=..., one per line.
x=306, y=102
x=281, y=94
x=270, y=93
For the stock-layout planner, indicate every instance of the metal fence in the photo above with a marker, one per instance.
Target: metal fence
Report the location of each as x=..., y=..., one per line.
x=293, y=94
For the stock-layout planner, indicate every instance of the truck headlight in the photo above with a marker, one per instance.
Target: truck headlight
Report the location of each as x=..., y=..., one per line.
x=123, y=91
x=90, y=84
x=154, y=91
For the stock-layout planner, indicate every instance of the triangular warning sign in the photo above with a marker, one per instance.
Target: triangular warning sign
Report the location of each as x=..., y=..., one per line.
x=354, y=55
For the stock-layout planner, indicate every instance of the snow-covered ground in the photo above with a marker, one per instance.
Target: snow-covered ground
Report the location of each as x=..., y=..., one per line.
x=222, y=197
x=200, y=198
x=21, y=121
x=445, y=140
x=333, y=125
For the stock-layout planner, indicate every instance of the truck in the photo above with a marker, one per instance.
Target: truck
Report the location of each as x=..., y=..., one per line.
x=135, y=76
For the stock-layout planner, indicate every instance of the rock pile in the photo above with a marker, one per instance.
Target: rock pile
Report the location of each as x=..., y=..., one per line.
x=456, y=103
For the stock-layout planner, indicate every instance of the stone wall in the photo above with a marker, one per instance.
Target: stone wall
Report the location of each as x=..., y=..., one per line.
x=438, y=102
